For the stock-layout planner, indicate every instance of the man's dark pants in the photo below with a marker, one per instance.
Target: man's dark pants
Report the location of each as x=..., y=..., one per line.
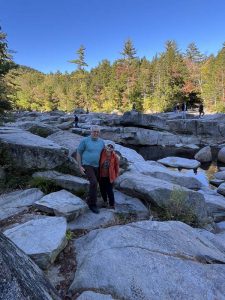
x=92, y=174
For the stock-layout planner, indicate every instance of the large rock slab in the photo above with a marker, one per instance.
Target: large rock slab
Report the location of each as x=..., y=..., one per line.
x=24, y=150
x=134, y=118
x=18, y=201
x=130, y=206
x=37, y=128
x=130, y=154
x=66, y=139
x=220, y=226
x=62, y=203
x=147, y=137
x=215, y=204
x=207, y=130
x=216, y=239
x=21, y=279
x=160, y=193
x=42, y=239
x=161, y=172
x=221, y=189
x=180, y=162
x=72, y=183
x=90, y=221
x=220, y=175
x=150, y=260
x=89, y=295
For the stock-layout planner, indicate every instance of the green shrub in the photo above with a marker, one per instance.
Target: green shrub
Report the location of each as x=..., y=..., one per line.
x=179, y=209
x=69, y=235
x=47, y=186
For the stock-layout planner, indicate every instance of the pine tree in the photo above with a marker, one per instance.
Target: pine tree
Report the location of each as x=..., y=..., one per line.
x=128, y=50
x=5, y=64
x=80, y=61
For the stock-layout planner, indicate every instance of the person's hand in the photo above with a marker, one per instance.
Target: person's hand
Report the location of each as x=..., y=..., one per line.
x=82, y=170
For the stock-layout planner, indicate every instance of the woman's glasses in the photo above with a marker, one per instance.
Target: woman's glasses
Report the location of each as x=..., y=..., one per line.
x=109, y=147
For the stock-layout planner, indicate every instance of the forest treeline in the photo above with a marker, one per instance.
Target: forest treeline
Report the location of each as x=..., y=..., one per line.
x=154, y=85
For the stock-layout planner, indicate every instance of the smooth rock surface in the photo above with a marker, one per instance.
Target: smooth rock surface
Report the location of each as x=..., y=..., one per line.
x=150, y=260
x=179, y=162
x=42, y=239
x=63, y=204
x=20, y=277
x=18, y=201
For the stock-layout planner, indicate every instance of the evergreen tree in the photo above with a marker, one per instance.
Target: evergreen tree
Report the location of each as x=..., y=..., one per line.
x=80, y=61
x=128, y=50
x=193, y=83
x=194, y=54
x=6, y=64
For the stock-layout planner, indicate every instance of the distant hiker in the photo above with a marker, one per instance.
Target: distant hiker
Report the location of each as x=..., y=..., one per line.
x=201, y=110
x=134, y=106
x=76, y=120
x=184, y=110
x=87, y=111
x=177, y=108
x=109, y=171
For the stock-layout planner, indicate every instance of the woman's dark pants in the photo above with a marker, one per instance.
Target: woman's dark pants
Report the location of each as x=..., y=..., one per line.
x=106, y=189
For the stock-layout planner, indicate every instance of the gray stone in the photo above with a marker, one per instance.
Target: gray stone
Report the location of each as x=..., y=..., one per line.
x=37, y=128
x=62, y=203
x=66, y=139
x=90, y=221
x=180, y=162
x=215, y=239
x=220, y=175
x=135, y=118
x=221, y=155
x=220, y=226
x=204, y=155
x=159, y=192
x=72, y=183
x=23, y=150
x=127, y=205
x=18, y=201
x=89, y=295
x=41, y=239
x=216, y=182
x=21, y=279
x=150, y=260
x=221, y=189
x=215, y=204
x=159, y=171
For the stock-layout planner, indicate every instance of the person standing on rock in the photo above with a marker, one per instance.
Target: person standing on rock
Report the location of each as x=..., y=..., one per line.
x=88, y=156
x=201, y=110
x=109, y=171
x=76, y=120
x=184, y=110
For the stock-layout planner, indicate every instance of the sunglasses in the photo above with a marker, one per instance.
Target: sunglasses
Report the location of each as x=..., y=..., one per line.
x=110, y=147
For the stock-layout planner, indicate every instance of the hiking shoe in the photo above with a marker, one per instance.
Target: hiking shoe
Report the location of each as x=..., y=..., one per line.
x=111, y=206
x=94, y=209
x=105, y=204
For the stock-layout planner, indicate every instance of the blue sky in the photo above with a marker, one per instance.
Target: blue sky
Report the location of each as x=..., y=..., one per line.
x=46, y=33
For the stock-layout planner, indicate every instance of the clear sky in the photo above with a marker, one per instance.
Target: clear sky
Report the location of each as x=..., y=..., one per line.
x=46, y=33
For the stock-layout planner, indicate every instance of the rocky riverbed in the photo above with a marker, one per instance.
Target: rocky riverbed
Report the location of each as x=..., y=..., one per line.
x=166, y=236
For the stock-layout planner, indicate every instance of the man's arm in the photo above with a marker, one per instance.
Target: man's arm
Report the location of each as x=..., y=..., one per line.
x=82, y=170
